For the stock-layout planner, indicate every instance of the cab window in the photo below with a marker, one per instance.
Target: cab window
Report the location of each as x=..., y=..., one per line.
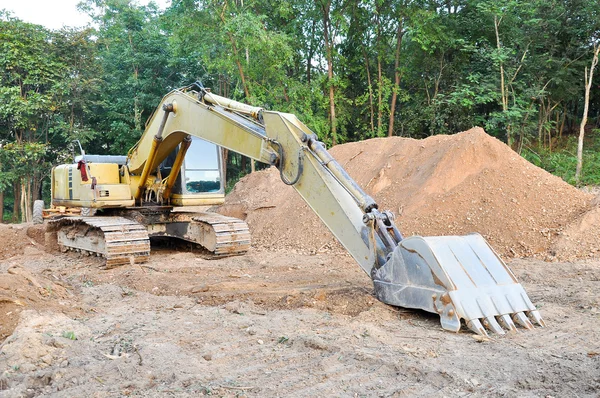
x=202, y=167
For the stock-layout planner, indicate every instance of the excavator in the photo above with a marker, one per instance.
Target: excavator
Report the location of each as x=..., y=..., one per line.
x=176, y=166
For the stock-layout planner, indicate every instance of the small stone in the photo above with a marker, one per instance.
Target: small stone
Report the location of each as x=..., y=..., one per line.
x=47, y=359
x=320, y=296
x=260, y=342
x=207, y=357
x=27, y=367
x=200, y=289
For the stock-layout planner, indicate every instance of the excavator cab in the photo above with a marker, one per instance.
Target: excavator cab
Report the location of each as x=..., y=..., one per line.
x=201, y=180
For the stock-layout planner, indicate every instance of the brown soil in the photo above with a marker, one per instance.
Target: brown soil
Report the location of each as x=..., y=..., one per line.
x=17, y=238
x=274, y=324
x=22, y=286
x=581, y=238
x=443, y=185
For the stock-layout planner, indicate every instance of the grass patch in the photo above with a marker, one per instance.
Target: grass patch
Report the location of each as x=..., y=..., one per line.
x=563, y=161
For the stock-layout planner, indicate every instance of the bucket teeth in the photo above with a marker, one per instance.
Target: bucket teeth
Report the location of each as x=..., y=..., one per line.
x=535, y=317
x=490, y=323
x=522, y=320
x=507, y=323
x=477, y=327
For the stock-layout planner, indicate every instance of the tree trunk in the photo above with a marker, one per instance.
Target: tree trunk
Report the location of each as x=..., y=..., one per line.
x=1, y=207
x=379, y=74
x=244, y=164
x=137, y=114
x=329, y=53
x=562, y=123
x=586, y=104
x=240, y=68
x=36, y=188
x=379, y=97
x=236, y=55
x=17, y=201
x=502, y=85
x=23, y=202
x=372, y=111
x=224, y=154
x=541, y=124
x=310, y=54
x=28, y=202
x=399, y=35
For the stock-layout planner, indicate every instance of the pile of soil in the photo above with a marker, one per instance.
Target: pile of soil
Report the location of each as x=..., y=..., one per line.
x=442, y=185
x=581, y=238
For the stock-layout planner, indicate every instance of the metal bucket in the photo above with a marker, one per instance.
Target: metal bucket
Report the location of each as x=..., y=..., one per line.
x=457, y=277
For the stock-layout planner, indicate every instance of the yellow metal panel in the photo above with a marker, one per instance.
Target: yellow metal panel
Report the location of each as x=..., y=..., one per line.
x=69, y=190
x=60, y=183
x=133, y=184
x=105, y=173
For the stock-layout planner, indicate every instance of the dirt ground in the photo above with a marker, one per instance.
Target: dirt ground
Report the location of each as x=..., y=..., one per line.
x=274, y=324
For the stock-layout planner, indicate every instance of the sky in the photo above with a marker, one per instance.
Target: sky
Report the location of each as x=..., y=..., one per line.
x=54, y=14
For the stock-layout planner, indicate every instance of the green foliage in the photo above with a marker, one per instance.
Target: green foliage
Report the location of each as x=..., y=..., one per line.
x=20, y=160
x=563, y=162
x=69, y=335
x=428, y=67
x=28, y=80
x=134, y=63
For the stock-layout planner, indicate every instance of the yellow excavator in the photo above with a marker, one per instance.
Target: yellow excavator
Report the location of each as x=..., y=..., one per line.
x=177, y=165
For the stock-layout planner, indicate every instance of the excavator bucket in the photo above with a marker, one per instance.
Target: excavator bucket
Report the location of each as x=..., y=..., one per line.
x=457, y=277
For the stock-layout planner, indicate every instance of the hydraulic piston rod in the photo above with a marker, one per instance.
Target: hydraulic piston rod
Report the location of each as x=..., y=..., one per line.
x=167, y=108
x=365, y=202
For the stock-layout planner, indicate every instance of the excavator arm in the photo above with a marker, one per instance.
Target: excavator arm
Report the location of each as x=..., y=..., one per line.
x=458, y=277
x=274, y=138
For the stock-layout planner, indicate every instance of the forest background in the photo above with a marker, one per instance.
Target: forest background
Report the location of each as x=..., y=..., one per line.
x=349, y=69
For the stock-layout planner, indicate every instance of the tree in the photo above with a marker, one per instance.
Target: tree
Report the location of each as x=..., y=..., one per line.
x=586, y=103
x=29, y=86
x=135, y=73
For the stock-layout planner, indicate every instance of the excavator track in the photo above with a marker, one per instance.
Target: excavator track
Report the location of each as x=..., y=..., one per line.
x=119, y=240
x=227, y=236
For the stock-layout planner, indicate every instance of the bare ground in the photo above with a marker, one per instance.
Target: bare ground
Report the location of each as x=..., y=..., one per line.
x=275, y=324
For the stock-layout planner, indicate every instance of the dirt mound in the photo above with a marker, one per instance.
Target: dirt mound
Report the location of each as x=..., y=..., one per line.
x=581, y=238
x=443, y=185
